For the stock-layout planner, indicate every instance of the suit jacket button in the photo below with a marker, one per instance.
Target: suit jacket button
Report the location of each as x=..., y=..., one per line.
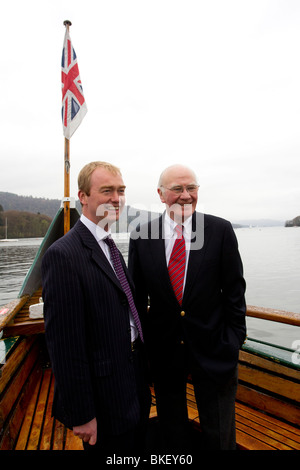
x=182, y=313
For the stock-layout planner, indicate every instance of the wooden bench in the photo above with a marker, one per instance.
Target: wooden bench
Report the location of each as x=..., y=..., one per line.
x=255, y=430
x=268, y=399
x=16, y=324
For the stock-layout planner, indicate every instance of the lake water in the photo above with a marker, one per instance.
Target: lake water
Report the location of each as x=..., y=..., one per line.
x=271, y=258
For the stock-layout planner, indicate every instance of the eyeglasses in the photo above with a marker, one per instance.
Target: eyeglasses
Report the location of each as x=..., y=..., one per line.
x=190, y=188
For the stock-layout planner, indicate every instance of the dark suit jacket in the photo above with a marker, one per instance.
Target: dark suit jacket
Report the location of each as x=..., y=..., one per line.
x=88, y=335
x=212, y=316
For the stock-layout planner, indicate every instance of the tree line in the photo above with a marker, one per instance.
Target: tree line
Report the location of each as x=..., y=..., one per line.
x=21, y=224
x=294, y=222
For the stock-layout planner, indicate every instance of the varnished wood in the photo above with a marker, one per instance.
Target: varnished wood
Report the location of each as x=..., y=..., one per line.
x=268, y=365
x=24, y=433
x=247, y=442
x=263, y=440
x=9, y=367
x=21, y=323
x=67, y=185
x=72, y=442
x=289, y=435
x=16, y=386
x=26, y=328
x=58, y=438
x=270, y=314
x=10, y=431
x=268, y=404
x=38, y=421
x=270, y=382
x=255, y=430
x=13, y=308
x=46, y=433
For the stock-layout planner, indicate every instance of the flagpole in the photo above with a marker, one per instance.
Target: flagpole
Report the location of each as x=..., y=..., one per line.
x=73, y=111
x=67, y=24
x=67, y=187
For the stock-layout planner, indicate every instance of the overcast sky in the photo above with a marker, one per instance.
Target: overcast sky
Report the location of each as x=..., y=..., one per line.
x=214, y=84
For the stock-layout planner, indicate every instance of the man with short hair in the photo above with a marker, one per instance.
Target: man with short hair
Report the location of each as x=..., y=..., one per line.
x=92, y=329
x=190, y=295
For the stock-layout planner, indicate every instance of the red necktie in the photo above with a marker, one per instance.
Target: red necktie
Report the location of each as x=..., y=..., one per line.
x=176, y=265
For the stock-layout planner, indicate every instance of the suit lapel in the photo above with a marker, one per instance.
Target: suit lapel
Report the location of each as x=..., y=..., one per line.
x=157, y=243
x=197, y=251
x=158, y=251
x=96, y=253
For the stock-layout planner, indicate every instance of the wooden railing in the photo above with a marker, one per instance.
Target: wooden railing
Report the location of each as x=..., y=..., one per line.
x=280, y=316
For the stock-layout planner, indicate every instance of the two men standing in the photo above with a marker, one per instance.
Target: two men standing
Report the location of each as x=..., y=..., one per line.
x=195, y=323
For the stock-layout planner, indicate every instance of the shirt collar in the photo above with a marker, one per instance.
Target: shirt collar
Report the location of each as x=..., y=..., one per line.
x=170, y=225
x=98, y=232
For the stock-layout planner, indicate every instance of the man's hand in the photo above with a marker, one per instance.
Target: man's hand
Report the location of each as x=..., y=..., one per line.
x=87, y=432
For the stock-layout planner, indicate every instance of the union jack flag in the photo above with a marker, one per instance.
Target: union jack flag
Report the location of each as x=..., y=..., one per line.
x=73, y=103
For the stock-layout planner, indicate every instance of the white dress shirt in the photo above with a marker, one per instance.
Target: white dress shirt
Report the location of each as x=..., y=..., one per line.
x=99, y=233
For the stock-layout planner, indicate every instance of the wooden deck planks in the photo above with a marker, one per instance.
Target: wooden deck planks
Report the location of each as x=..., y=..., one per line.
x=47, y=431
x=256, y=430
x=39, y=414
x=26, y=425
x=72, y=442
x=269, y=382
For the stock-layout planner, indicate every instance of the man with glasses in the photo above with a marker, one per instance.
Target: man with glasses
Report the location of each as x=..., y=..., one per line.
x=190, y=296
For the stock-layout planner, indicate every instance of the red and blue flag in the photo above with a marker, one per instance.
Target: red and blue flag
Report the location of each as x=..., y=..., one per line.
x=73, y=103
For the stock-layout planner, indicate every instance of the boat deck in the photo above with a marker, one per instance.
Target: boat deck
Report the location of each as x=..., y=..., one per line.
x=27, y=387
x=267, y=405
x=39, y=430
x=255, y=430
x=21, y=323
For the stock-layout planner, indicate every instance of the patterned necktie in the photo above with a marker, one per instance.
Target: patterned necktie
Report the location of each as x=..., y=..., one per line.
x=176, y=265
x=115, y=257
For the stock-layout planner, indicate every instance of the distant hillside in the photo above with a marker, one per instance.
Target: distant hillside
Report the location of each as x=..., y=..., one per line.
x=36, y=205
x=48, y=207
x=294, y=222
x=21, y=224
x=261, y=223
